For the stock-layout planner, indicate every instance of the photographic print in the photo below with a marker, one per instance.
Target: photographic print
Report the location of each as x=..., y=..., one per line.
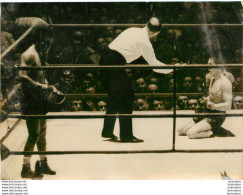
x=121, y=91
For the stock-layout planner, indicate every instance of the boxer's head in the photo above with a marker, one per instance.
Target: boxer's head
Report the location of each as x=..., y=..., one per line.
x=214, y=71
x=238, y=102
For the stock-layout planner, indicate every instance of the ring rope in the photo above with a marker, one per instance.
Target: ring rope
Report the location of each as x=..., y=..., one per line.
x=10, y=131
x=122, y=152
x=15, y=43
x=103, y=67
x=161, y=95
x=95, y=116
x=98, y=95
x=9, y=96
x=142, y=25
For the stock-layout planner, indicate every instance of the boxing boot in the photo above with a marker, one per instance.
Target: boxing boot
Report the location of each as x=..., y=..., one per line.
x=45, y=168
x=38, y=173
x=26, y=171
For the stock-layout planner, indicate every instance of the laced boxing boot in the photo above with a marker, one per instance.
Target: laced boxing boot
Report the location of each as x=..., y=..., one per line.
x=38, y=173
x=26, y=171
x=45, y=168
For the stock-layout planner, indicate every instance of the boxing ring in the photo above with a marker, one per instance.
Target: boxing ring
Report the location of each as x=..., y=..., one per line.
x=163, y=155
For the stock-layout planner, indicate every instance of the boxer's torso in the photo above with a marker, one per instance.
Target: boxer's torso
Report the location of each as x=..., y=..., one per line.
x=35, y=60
x=216, y=90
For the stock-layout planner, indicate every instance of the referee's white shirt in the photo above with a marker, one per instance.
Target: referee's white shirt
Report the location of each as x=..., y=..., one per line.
x=133, y=43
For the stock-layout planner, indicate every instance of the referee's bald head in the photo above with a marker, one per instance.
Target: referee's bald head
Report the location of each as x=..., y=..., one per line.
x=154, y=24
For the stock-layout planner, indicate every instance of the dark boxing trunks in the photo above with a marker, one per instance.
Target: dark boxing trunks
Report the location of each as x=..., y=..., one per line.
x=215, y=122
x=33, y=103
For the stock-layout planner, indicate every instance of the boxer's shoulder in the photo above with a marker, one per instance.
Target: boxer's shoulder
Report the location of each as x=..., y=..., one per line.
x=225, y=82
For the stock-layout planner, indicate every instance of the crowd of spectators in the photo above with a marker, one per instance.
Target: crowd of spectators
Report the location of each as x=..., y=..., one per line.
x=190, y=45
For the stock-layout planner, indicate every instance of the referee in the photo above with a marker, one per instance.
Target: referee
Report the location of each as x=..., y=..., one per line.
x=130, y=45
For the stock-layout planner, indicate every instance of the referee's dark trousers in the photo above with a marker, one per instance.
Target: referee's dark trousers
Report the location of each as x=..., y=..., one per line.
x=120, y=94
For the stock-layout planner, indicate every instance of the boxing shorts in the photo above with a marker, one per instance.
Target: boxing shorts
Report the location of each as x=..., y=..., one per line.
x=37, y=102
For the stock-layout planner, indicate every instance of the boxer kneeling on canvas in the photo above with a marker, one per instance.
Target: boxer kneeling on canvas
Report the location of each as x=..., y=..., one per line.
x=218, y=101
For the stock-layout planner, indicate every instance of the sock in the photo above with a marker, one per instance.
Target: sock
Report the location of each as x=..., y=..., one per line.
x=26, y=160
x=42, y=157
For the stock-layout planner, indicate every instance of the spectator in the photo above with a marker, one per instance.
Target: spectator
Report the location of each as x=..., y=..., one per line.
x=81, y=36
x=182, y=102
x=109, y=32
x=171, y=85
x=170, y=47
x=187, y=85
x=198, y=84
x=193, y=104
x=101, y=105
x=238, y=102
x=6, y=40
x=66, y=83
x=90, y=90
x=101, y=46
x=117, y=32
x=141, y=104
x=237, y=85
x=87, y=83
x=7, y=75
x=77, y=53
x=140, y=85
x=153, y=88
x=89, y=103
x=109, y=40
x=77, y=105
x=129, y=73
x=158, y=105
x=153, y=80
